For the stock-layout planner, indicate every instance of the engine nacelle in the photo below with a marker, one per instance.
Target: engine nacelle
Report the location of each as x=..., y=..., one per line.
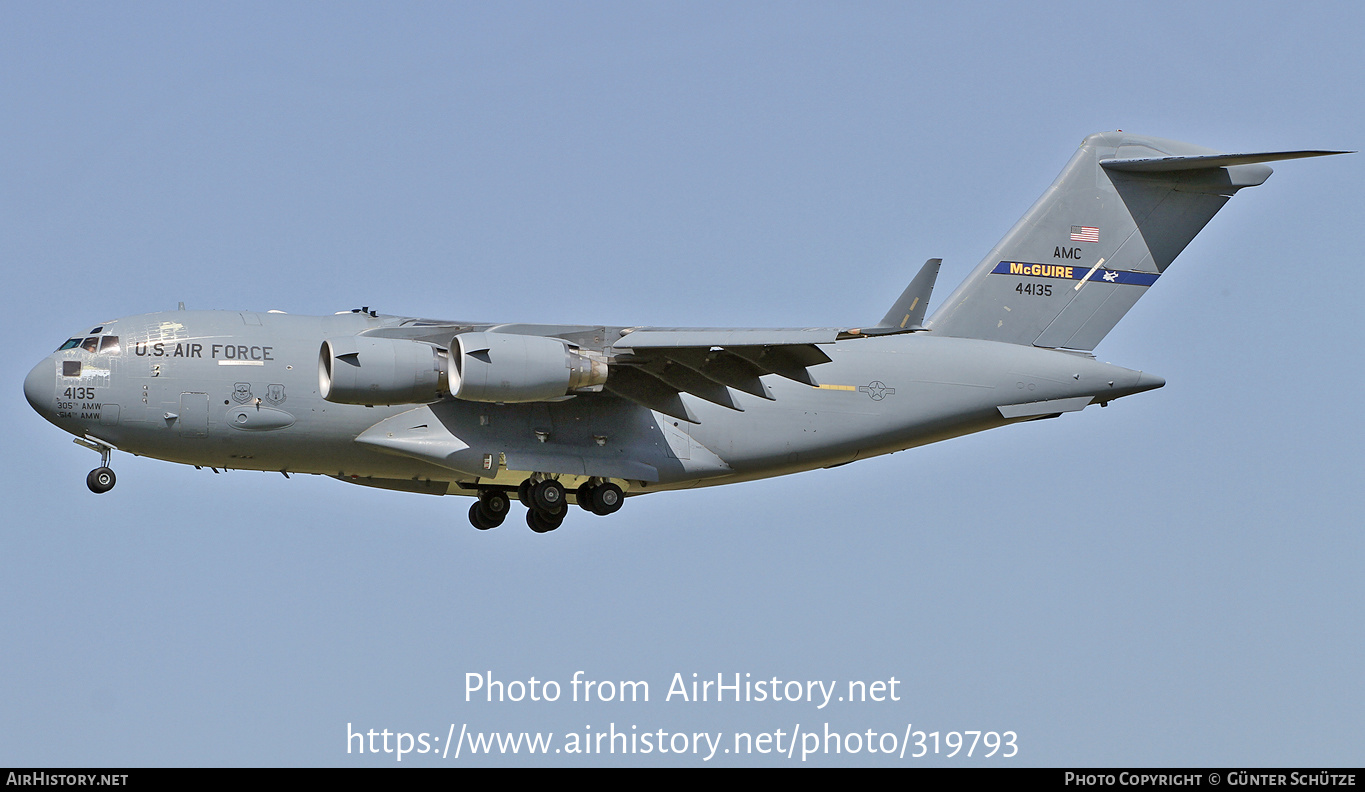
x=363, y=370
x=503, y=367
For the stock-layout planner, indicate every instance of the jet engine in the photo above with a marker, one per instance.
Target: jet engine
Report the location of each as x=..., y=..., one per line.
x=363, y=370
x=503, y=367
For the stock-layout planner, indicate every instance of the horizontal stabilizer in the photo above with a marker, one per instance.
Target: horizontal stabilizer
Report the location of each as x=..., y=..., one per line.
x=1196, y=162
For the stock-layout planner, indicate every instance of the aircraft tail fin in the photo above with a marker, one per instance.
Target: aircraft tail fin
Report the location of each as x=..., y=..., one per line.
x=1120, y=212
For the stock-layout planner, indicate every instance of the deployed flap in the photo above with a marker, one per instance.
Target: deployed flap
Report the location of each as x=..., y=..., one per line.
x=687, y=380
x=654, y=365
x=721, y=368
x=650, y=392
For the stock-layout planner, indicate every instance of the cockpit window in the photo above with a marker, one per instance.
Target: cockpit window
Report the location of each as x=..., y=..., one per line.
x=106, y=345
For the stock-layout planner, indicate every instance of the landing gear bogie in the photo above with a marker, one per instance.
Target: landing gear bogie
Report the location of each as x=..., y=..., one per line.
x=546, y=501
x=549, y=496
x=478, y=519
x=490, y=509
x=606, y=499
x=495, y=502
x=541, y=522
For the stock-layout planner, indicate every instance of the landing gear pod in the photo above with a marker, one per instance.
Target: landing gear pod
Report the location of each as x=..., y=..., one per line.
x=502, y=367
x=360, y=370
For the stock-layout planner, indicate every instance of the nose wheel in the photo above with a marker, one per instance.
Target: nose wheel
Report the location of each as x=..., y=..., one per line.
x=100, y=480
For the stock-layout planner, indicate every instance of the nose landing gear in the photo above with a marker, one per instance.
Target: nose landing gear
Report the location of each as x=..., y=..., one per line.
x=101, y=479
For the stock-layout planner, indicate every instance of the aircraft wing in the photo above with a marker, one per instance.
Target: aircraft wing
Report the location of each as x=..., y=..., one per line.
x=653, y=365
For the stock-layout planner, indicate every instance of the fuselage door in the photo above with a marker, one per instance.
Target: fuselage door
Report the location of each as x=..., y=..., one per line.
x=194, y=415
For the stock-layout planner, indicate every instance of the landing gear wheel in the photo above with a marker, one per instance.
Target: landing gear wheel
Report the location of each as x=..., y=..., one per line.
x=541, y=522
x=584, y=493
x=606, y=499
x=494, y=504
x=100, y=480
x=481, y=520
x=549, y=496
x=524, y=493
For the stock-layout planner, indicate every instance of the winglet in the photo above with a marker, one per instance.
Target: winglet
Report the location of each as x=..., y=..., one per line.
x=907, y=313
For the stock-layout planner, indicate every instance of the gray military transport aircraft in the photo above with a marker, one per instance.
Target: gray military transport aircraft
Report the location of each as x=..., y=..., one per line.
x=561, y=414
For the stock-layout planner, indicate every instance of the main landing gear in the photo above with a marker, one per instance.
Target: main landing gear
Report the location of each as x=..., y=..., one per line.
x=546, y=502
x=600, y=499
x=490, y=509
x=101, y=479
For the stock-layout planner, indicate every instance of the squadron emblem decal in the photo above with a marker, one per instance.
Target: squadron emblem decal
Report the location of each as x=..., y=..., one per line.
x=241, y=392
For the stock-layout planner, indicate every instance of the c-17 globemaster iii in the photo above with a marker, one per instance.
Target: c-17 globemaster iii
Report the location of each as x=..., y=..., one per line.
x=560, y=414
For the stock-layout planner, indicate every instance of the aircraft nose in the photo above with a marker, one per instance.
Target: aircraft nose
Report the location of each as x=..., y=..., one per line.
x=40, y=387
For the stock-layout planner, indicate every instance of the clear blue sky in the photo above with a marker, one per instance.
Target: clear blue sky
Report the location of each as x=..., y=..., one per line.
x=1174, y=580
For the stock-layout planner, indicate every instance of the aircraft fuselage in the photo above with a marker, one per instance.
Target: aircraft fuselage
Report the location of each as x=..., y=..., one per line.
x=240, y=390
